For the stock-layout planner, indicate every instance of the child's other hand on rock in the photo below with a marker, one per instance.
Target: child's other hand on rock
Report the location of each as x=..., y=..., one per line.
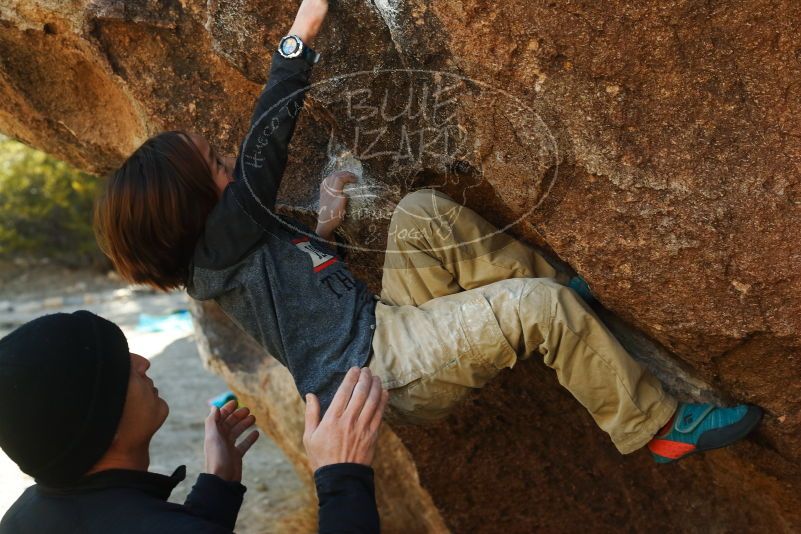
x=333, y=202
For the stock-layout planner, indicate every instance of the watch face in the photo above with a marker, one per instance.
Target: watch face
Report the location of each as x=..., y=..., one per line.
x=289, y=46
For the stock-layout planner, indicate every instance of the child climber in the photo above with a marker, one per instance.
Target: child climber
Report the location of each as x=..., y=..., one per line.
x=459, y=302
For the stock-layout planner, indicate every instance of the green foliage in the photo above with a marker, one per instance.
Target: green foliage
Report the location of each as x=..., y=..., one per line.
x=45, y=208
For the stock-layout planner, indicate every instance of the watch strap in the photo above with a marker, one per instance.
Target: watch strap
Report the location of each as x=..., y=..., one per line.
x=309, y=55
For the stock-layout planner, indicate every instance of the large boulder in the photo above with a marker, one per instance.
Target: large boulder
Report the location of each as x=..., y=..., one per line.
x=650, y=146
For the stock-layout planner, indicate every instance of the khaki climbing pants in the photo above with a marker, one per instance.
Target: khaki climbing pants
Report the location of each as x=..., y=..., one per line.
x=461, y=301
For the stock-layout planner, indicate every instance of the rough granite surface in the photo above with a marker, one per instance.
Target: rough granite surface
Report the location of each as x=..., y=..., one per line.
x=653, y=147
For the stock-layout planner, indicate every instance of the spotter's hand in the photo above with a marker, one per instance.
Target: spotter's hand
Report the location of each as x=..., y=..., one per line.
x=348, y=431
x=223, y=428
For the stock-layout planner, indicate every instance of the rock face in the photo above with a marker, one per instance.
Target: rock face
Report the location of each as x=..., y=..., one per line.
x=650, y=146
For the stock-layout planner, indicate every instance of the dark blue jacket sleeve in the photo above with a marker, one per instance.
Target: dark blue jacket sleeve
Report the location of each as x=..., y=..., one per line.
x=245, y=210
x=347, y=499
x=216, y=500
x=263, y=154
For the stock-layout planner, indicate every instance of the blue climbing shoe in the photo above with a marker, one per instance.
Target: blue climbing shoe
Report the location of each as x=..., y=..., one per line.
x=702, y=427
x=578, y=285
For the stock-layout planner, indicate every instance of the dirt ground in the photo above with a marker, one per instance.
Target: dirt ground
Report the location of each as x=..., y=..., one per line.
x=274, y=500
x=22, y=281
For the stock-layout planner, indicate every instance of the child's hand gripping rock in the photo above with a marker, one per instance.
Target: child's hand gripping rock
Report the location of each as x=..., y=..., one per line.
x=333, y=202
x=309, y=19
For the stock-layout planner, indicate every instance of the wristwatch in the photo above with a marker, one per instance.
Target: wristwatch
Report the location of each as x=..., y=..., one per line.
x=291, y=46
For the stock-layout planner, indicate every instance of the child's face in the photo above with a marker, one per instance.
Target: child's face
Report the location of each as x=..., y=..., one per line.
x=222, y=168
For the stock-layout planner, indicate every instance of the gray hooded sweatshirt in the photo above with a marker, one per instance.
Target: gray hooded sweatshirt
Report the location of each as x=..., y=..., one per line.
x=273, y=276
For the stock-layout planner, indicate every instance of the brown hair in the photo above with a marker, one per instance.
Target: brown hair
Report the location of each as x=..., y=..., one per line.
x=153, y=209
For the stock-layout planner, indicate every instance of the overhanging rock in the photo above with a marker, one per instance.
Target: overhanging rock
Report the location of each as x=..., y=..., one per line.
x=651, y=146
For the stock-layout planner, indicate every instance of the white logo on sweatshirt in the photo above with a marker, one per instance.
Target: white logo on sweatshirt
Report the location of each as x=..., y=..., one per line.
x=320, y=259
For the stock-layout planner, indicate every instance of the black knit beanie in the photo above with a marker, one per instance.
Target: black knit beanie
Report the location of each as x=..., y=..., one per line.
x=63, y=381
